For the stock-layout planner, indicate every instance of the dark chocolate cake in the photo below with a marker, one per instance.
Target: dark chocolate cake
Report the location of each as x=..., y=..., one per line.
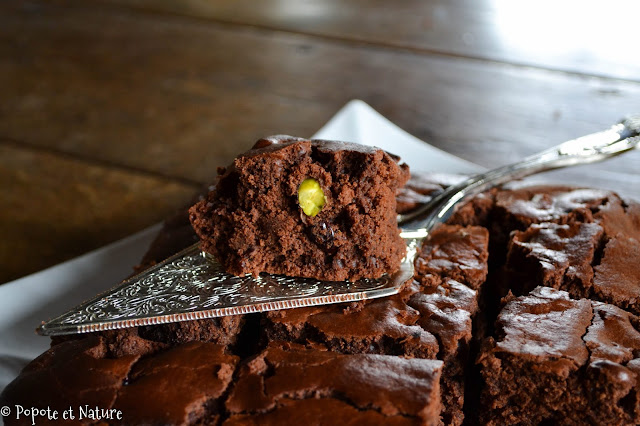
x=523, y=310
x=290, y=383
x=308, y=208
x=178, y=385
x=560, y=360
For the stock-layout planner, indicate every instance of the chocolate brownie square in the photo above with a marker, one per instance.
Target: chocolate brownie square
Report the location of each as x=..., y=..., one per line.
x=554, y=255
x=454, y=252
x=291, y=383
x=308, y=208
x=591, y=252
x=617, y=276
x=560, y=360
x=448, y=311
x=182, y=385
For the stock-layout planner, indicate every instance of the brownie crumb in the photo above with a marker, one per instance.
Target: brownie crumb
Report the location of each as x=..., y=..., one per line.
x=252, y=222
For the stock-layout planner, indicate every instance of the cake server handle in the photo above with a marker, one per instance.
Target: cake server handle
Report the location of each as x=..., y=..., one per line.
x=620, y=138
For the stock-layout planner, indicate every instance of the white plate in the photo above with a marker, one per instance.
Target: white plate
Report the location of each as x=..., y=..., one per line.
x=24, y=303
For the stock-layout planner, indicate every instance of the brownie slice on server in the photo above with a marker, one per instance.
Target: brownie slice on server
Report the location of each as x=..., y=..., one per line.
x=308, y=208
x=560, y=360
x=431, y=318
x=290, y=383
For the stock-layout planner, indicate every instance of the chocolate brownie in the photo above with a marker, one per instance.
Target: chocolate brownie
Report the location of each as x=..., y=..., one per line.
x=380, y=326
x=518, y=208
x=558, y=360
x=290, y=383
x=454, y=252
x=310, y=208
x=553, y=255
x=178, y=386
x=448, y=311
x=585, y=242
x=182, y=385
x=70, y=374
x=522, y=207
x=617, y=276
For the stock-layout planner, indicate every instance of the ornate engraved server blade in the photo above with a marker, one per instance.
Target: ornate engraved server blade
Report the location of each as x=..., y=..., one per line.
x=192, y=285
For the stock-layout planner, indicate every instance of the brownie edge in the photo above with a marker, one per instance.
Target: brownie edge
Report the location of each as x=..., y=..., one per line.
x=289, y=381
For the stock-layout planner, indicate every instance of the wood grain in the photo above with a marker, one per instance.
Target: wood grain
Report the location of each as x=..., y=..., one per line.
x=55, y=207
x=153, y=95
x=182, y=93
x=571, y=36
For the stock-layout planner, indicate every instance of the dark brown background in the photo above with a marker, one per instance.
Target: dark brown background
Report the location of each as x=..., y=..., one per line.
x=113, y=114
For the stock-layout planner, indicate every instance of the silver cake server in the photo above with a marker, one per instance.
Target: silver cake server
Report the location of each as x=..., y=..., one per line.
x=192, y=285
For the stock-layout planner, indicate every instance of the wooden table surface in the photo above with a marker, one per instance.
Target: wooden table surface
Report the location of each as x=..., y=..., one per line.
x=112, y=115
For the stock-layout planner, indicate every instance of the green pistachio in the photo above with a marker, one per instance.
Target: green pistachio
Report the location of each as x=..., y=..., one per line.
x=311, y=197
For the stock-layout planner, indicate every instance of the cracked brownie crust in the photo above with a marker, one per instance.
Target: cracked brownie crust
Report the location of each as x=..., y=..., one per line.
x=561, y=360
x=288, y=382
x=176, y=386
